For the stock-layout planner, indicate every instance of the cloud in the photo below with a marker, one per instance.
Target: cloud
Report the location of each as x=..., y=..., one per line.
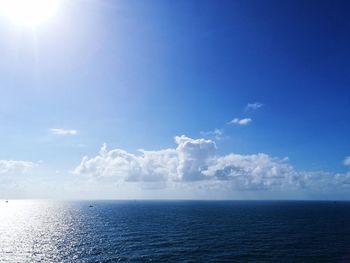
x=184, y=163
x=196, y=160
x=251, y=171
x=15, y=167
x=244, y=121
x=63, y=132
x=254, y=106
x=217, y=134
x=347, y=161
x=194, y=157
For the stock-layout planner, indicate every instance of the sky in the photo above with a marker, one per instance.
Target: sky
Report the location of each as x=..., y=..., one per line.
x=188, y=99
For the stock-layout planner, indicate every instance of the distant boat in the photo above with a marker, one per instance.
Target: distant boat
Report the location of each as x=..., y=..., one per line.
x=91, y=206
x=6, y=201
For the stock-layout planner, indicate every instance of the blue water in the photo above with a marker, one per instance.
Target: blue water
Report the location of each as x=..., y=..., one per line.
x=174, y=231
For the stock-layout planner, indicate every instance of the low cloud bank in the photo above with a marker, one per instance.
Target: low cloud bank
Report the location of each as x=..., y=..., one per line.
x=195, y=160
x=15, y=167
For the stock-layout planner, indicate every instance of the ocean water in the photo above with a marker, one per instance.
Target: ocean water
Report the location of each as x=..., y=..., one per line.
x=174, y=231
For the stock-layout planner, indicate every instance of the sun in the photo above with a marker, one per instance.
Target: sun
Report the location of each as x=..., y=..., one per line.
x=28, y=13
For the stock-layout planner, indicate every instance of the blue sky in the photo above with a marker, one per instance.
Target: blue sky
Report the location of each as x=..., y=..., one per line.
x=135, y=74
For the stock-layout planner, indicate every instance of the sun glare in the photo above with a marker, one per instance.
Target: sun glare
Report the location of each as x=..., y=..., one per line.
x=29, y=13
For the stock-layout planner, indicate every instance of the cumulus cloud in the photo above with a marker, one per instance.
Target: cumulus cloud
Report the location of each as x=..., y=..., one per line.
x=250, y=171
x=63, y=132
x=347, y=161
x=196, y=160
x=15, y=167
x=194, y=157
x=186, y=162
x=237, y=121
x=254, y=106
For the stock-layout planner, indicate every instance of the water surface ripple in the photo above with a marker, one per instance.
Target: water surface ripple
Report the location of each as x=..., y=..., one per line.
x=174, y=231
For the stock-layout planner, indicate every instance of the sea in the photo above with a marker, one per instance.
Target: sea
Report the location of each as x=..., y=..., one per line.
x=174, y=231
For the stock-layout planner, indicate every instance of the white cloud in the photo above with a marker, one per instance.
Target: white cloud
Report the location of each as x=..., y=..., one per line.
x=194, y=157
x=254, y=106
x=15, y=167
x=250, y=171
x=244, y=121
x=63, y=132
x=195, y=160
x=217, y=134
x=186, y=162
x=347, y=161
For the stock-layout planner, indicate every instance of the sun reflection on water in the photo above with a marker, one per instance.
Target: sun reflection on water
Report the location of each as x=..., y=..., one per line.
x=32, y=231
